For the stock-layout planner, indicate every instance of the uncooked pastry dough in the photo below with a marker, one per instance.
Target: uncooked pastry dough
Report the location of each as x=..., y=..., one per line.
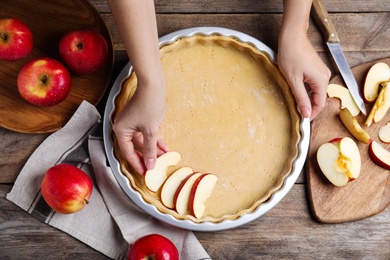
x=229, y=112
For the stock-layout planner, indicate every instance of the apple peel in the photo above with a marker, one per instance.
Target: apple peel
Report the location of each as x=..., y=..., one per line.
x=379, y=155
x=342, y=93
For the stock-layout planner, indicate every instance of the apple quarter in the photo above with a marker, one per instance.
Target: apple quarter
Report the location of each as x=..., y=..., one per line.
x=231, y=113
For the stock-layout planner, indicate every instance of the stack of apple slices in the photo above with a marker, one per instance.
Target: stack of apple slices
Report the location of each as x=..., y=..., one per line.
x=183, y=190
x=339, y=159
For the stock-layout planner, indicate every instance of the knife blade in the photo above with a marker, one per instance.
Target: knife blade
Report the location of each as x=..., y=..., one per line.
x=322, y=18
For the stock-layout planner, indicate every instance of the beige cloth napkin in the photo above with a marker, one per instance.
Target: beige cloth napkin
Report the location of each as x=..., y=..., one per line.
x=111, y=221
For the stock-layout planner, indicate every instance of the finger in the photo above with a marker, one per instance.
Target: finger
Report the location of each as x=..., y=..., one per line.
x=162, y=146
x=318, y=103
x=302, y=98
x=132, y=156
x=150, y=150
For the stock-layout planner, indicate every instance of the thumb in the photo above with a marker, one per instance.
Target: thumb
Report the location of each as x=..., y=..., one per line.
x=150, y=151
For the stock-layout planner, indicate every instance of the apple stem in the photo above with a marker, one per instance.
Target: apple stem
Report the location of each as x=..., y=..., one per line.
x=86, y=201
x=44, y=78
x=3, y=36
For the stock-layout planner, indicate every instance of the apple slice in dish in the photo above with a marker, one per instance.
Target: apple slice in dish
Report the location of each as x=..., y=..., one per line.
x=339, y=160
x=353, y=126
x=173, y=182
x=200, y=193
x=155, y=177
x=384, y=133
x=182, y=195
x=379, y=155
x=377, y=74
x=342, y=93
x=381, y=106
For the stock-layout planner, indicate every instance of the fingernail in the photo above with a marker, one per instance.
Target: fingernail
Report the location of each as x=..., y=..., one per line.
x=305, y=112
x=150, y=163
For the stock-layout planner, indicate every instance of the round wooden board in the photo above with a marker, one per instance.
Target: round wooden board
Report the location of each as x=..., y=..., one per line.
x=48, y=21
x=367, y=195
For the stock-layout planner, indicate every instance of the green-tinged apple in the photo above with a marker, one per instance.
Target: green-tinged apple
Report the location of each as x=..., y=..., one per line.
x=353, y=126
x=172, y=183
x=155, y=178
x=381, y=106
x=83, y=51
x=153, y=247
x=376, y=75
x=200, y=193
x=183, y=192
x=342, y=93
x=379, y=155
x=384, y=133
x=16, y=39
x=44, y=82
x=339, y=160
x=66, y=188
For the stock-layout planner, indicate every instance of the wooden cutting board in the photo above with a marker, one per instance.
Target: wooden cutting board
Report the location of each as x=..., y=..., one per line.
x=366, y=196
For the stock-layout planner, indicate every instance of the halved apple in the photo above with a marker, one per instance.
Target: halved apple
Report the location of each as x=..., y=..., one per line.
x=173, y=182
x=342, y=93
x=377, y=74
x=353, y=126
x=182, y=195
x=384, y=133
x=200, y=193
x=339, y=160
x=155, y=177
x=379, y=155
x=381, y=105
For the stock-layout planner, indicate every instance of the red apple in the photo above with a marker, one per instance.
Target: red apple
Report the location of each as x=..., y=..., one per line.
x=66, y=188
x=44, y=82
x=153, y=247
x=16, y=40
x=83, y=51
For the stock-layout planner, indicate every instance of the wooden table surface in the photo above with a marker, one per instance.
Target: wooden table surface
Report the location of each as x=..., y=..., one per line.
x=287, y=231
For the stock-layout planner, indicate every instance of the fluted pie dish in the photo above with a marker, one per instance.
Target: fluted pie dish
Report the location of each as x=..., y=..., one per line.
x=229, y=112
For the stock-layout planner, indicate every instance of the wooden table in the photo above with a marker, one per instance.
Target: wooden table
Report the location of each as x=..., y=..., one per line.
x=288, y=231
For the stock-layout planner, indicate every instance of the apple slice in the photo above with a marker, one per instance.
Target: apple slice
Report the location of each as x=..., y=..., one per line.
x=200, y=193
x=381, y=105
x=339, y=160
x=182, y=195
x=379, y=155
x=342, y=93
x=173, y=182
x=377, y=74
x=155, y=177
x=384, y=133
x=353, y=126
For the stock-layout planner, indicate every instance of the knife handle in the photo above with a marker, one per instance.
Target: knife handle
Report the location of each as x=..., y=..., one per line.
x=321, y=17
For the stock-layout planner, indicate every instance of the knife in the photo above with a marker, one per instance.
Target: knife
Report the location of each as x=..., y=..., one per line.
x=321, y=17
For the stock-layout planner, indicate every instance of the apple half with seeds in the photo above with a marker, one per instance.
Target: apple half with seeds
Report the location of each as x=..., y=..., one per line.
x=379, y=155
x=154, y=178
x=200, y=193
x=345, y=96
x=377, y=74
x=353, y=126
x=173, y=182
x=339, y=160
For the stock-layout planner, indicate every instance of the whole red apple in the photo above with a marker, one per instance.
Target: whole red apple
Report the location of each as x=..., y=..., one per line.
x=16, y=40
x=83, y=51
x=66, y=188
x=153, y=247
x=44, y=82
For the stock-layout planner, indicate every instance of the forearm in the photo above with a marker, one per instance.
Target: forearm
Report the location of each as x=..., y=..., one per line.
x=136, y=21
x=295, y=17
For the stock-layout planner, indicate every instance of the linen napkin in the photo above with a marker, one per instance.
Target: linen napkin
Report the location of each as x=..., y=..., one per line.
x=111, y=221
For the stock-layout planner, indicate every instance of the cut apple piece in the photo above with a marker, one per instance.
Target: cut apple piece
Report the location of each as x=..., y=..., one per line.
x=384, y=133
x=379, y=155
x=182, y=195
x=339, y=160
x=155, y=177
x=353, y=126
x=170, y=186
x=377, y=74
x=381, y=105
x=342, y=93
x=200, y=193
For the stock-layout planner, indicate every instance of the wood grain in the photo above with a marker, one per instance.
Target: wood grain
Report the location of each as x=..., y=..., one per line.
x=42, y=18
x=367, y=195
